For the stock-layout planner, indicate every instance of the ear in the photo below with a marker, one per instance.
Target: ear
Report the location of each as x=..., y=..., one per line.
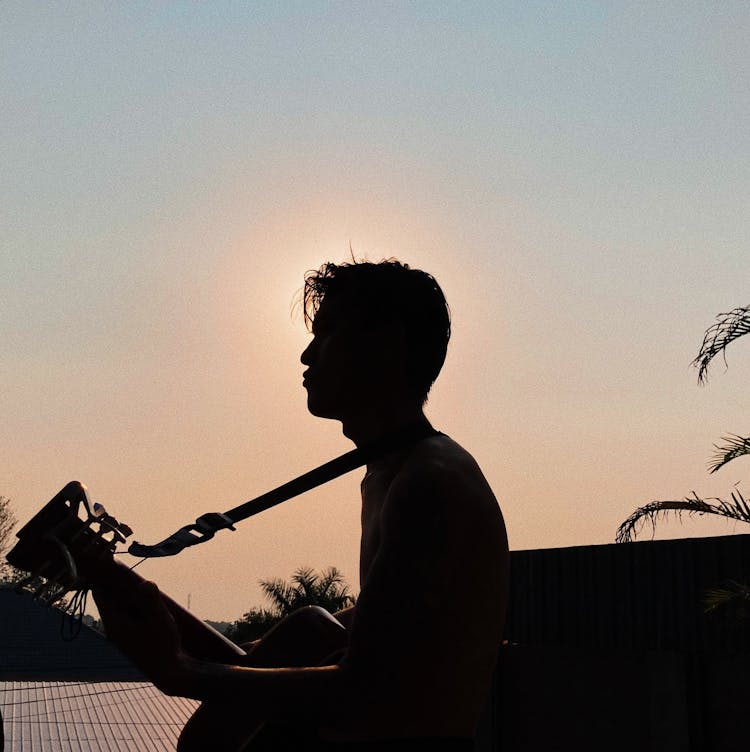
x=389, y=341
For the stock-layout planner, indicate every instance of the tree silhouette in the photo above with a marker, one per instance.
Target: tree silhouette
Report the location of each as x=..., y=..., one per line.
x=7, y=523
x=728, y=327
x=327, y=589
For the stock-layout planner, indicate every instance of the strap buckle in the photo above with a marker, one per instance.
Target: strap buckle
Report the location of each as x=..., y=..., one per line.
x=203, y=529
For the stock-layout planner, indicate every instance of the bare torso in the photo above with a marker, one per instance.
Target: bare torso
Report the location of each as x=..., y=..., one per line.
x=423, y=639
x=433, y=576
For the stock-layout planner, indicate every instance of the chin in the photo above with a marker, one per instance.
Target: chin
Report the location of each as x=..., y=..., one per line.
x=322, y=409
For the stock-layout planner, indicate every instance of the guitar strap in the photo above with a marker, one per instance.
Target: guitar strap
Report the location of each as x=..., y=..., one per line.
x=207, y=525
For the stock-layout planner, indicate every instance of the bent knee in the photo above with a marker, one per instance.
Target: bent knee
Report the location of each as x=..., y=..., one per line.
x=316, y=616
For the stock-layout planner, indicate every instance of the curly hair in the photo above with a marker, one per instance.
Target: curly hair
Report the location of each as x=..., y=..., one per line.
x=390, y=292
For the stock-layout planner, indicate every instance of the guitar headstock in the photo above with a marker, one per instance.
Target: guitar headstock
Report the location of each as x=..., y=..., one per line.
x=66, y=542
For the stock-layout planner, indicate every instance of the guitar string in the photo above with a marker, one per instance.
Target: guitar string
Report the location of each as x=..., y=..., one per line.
x=138, y=563
x=72, y=616
x=71, y=621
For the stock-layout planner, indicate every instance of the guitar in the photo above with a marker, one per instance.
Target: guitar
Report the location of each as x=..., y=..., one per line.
x=69, y=546
x=70, y=553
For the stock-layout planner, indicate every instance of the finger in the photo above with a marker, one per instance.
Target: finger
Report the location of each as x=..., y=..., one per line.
x=144, y=602
x=105, y=603
x=124, y=607
x=149, y=590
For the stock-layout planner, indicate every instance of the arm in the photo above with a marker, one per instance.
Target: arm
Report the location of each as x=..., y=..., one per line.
x=144, y=629
x=427, y=587
x=346, y=616
x=113, y=580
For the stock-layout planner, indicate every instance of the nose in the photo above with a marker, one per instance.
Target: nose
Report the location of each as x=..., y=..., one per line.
x=307, y=354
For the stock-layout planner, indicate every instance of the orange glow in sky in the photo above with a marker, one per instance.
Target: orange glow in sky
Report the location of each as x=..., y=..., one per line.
x=575, y=178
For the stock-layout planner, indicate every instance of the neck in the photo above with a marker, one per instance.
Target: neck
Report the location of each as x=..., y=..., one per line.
x=375, y=424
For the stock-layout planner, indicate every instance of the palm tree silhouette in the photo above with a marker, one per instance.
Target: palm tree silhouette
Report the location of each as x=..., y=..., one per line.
x=306, y=588
x=327, y=589
x=728, y=327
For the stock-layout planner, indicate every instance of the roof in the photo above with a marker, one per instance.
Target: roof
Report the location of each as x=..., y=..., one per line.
x=80, y=694
x=42, y=716
x=32, y=646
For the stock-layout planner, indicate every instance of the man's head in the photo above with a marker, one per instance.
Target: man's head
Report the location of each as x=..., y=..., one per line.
x=397, y=315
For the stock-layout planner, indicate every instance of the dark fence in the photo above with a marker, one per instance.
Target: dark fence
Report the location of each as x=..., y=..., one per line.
x=646, y=595
x=609, y=647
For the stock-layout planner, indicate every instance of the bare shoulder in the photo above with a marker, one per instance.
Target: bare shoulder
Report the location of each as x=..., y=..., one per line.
x=441, y=520
x=441, y=477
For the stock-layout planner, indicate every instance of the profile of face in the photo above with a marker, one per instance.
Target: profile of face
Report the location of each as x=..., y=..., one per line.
x=350, y=367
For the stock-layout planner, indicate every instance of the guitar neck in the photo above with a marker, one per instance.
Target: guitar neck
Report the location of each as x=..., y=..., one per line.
x=62, y=548
x=199, y=639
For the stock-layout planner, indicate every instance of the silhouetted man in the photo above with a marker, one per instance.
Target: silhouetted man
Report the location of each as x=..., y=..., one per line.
x=409, y=666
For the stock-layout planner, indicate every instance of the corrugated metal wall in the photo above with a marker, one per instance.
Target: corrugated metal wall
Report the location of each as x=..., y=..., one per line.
x=610, y=648
x=644, y=596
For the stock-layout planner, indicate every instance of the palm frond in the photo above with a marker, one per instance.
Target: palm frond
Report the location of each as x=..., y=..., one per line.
x=303, y=575
x=307, y=588
x=728, y=327
x=280, y=594
x=332, y=581
x=734, y=446
x=736, y=509
x=305, y=580
x=734, y=595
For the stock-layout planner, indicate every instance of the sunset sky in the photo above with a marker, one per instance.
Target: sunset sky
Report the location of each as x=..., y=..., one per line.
x=576, y=176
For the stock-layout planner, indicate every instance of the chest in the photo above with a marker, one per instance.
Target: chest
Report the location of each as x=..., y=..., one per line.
x=374, y=491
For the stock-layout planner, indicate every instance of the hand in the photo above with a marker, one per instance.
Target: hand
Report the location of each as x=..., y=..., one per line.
x=137, y=621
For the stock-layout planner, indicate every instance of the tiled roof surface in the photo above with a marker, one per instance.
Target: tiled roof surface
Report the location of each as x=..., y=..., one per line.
x=90, y=717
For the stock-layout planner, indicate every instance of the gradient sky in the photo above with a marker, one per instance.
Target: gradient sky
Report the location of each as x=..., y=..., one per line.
x=574, y=174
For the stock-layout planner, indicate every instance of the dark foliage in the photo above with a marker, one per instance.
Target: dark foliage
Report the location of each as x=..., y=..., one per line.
x=306, y=588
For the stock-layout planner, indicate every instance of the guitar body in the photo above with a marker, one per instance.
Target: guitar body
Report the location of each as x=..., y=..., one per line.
x=69, y=553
